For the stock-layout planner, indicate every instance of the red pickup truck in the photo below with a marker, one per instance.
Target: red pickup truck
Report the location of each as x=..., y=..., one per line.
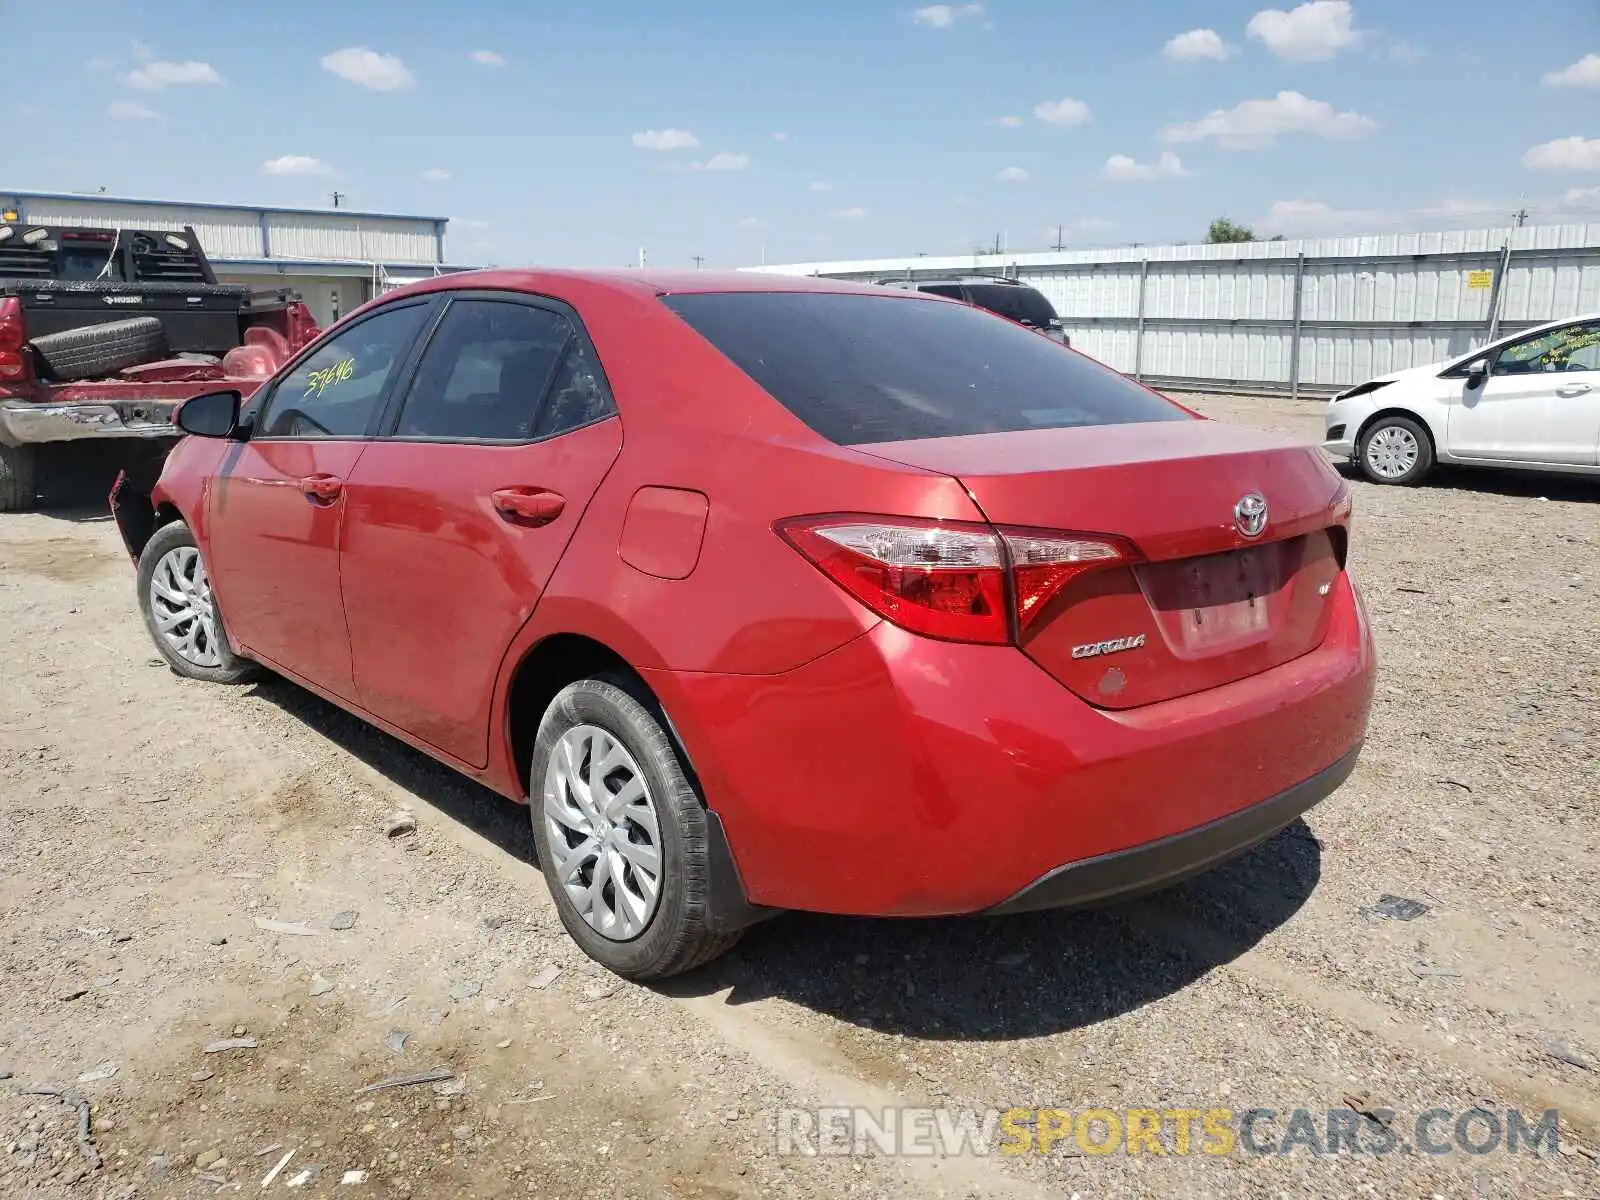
x=103, y=332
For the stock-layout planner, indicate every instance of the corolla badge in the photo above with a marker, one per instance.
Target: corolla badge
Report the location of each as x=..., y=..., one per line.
x=1250, y=514
x=1096, y=649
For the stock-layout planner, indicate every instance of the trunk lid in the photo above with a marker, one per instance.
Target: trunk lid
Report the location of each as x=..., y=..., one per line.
x=1201, y=603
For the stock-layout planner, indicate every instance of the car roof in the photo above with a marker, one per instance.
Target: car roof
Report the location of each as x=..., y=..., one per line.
x=635, y=282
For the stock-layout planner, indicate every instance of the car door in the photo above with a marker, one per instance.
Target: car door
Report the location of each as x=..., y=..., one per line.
x=1540, y=402
x=457, y=515
x=276, y=507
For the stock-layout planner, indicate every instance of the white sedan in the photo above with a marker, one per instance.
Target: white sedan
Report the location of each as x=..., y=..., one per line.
x=1530, y=401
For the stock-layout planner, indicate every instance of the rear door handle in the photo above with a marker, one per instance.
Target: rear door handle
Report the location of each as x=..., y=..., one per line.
x=1574, y=389
x=322, y=489
x=528, y=506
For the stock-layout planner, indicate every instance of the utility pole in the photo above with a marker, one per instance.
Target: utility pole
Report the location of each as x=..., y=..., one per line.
x=699, y=261
x=1520, y=217
x=641, y=258
x=1060, y=245
x=337, y=197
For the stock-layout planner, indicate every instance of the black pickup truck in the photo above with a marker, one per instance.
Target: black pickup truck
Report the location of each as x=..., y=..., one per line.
x=103, y=332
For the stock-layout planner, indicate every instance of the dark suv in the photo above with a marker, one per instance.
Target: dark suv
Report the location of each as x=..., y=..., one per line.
x=1010, y=298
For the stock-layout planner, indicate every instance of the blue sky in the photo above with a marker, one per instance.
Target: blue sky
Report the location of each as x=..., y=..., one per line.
x=570, y=134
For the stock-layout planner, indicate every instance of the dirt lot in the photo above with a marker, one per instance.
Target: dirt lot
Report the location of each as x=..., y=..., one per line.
x=150, y=824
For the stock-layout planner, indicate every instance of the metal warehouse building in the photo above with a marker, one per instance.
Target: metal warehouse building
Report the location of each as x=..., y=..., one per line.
x=1311, y=315
x=336, y=258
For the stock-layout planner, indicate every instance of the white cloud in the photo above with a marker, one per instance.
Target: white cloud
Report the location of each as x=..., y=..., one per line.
x=665, y=139
x=1007, y=122
x=154, y=75
x=1124, y=169
x=1314, y=218
x=1405, y=52
x=1014, y=175
x=1197, y=45
x=1066, y=111
x=1314, y=32
x=1255, y=123
x=821, y=185
x=1585, y=73
x=780, y=137
x=295, y=164
x=128, y=110
x=141, y=51
x=851, y=214
x=488, y=58
x=722, y=162
x=751, y=223
x=943, y=16
x=1577, y=200
x=1565, y=154
x=435, y=175
x=369, y=69
x=100, y=63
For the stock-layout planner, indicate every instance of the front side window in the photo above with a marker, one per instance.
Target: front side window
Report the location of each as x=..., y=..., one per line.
x=485, y=371
x=862, y=368
x=1570, y=348
x=335, y=391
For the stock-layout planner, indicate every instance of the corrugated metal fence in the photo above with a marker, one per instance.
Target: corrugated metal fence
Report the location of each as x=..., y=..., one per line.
x=1311, y=315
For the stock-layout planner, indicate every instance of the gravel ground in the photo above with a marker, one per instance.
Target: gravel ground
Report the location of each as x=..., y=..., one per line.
x=152, y=825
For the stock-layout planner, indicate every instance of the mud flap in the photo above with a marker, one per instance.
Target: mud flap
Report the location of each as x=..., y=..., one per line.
x=728, y=907
x=132, y=509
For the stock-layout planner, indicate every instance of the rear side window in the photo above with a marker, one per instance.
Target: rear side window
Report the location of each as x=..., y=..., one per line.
x=1022, y=304
x=860, y=369
x=951, y=291
x=485, y=372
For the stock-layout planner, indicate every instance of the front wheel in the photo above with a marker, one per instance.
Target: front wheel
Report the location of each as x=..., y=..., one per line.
x=621, y=833
x=180, y=612
x=1395, y=450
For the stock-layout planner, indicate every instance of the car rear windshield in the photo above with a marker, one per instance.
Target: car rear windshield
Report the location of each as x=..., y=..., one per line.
x=1022, y=304
x=860, y=369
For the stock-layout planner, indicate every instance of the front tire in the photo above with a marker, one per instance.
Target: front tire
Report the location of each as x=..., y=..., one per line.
x=183, y=618
x=1395, y=450
x=622, y=833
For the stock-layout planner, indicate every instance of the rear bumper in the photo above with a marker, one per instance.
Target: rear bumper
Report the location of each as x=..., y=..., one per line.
x=900, y=776
x=23, y=422
x=1126, y=873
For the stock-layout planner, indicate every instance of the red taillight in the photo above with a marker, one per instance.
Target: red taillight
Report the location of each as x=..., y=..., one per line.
x=955, y=580
x=13, y=341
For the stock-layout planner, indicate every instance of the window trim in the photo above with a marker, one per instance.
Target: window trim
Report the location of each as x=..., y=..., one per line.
x=268, y=393
x=395, y=403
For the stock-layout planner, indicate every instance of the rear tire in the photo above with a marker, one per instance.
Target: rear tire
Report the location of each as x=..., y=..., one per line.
x=602, y=716
x=183, y=619
x=17, y=479
x=1395, y=450
x=96, y=350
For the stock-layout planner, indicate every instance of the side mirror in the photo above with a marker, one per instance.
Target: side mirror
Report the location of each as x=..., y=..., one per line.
x=1478, y=372
x=211, y=415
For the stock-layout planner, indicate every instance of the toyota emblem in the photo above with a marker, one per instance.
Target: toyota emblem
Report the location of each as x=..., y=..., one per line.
x=1250, y=514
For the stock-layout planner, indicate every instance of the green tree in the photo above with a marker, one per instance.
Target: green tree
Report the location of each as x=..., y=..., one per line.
x=1224, y=230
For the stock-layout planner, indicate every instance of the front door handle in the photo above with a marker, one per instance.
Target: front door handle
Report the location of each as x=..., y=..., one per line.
x=1574, y=389
x=322, y=489
x=528, y=506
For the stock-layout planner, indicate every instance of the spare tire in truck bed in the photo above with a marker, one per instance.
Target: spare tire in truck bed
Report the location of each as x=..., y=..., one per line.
x=96, y=350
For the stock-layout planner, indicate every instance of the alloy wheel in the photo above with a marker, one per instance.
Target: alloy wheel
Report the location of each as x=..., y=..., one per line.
x=181, y=605
x=604, y=832
x=1392, y=451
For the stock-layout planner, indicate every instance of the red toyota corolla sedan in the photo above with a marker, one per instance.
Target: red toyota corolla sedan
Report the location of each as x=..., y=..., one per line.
x=775, y=594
